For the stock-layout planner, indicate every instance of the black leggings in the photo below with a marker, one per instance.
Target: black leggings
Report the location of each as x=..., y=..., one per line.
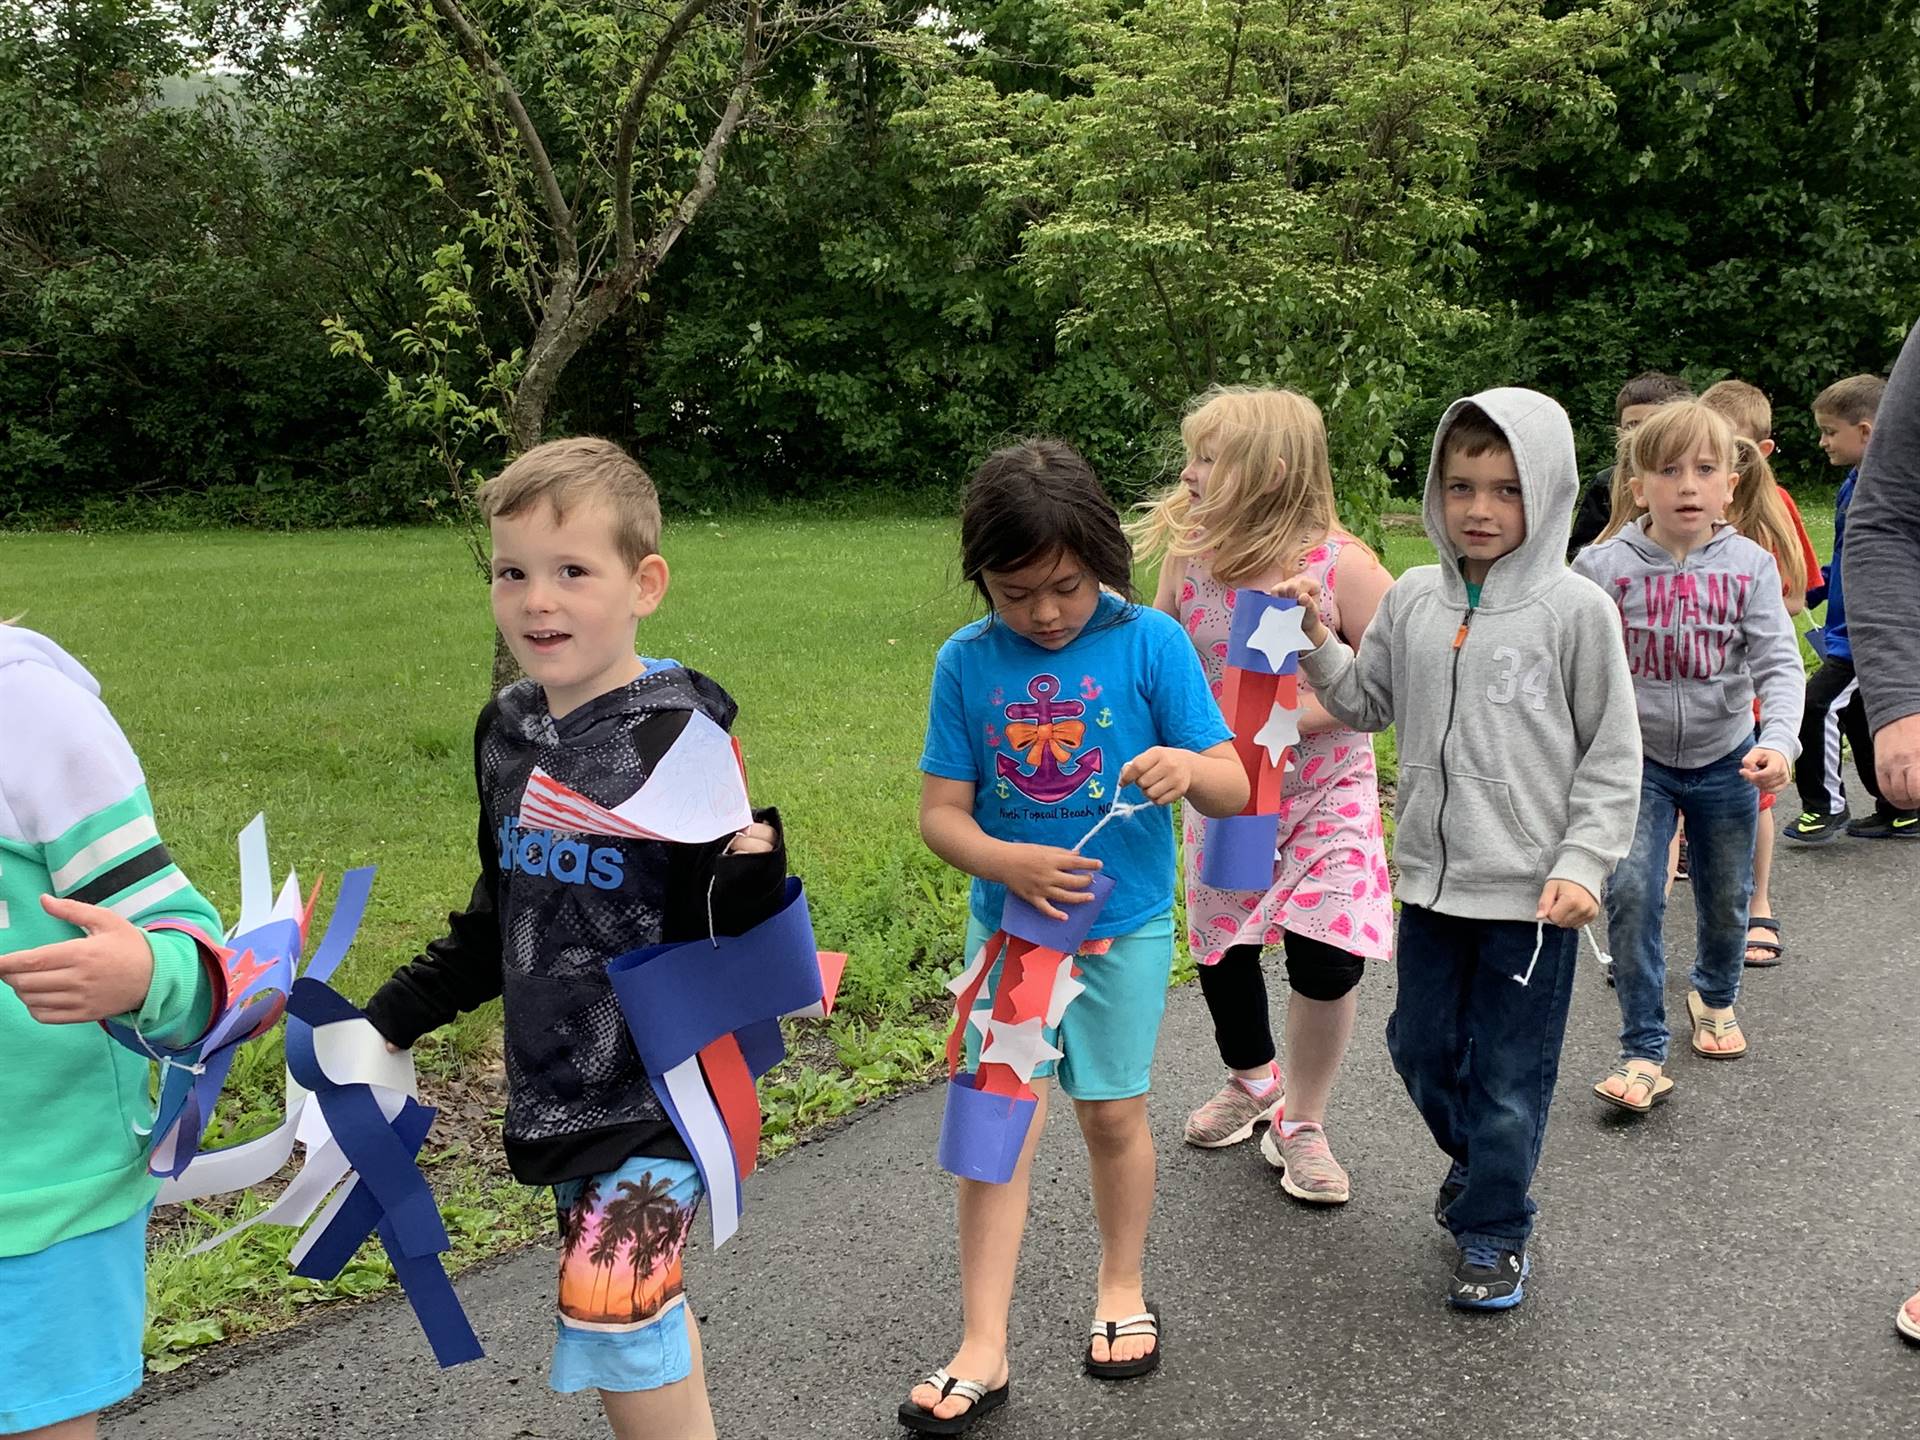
x=1236, y=993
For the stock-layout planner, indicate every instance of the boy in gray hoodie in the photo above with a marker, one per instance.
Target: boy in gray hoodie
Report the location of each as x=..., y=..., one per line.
x=1519, y=775
x=1705, y=627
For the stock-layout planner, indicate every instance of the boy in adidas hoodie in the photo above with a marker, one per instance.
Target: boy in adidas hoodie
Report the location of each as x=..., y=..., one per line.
x=88, y=900
x=576, y=565
x=1519, y=775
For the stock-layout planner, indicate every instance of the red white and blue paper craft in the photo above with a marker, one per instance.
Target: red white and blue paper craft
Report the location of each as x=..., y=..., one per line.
x=350, y=1102
x=697, y=793
x=705, y=1016
x=1260, y=698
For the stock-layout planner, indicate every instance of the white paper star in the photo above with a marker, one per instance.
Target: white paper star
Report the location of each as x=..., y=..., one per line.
x=1278, y=634
x=1065, y=990
x=1281, y=731
x=1022, y=1048
x=981, y=1019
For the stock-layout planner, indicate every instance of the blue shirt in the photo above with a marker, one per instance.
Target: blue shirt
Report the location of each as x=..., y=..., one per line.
x=1041, y=735
x=1836, y=645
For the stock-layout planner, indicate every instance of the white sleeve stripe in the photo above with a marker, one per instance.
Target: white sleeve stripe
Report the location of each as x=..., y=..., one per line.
x=112, y=846
x=130, y=906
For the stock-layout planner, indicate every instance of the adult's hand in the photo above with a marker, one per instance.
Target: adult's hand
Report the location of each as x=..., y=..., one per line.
x=1896, y=753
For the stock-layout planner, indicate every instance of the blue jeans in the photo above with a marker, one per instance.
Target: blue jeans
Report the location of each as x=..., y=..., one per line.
x=1722, y=812
x=1480, y=1052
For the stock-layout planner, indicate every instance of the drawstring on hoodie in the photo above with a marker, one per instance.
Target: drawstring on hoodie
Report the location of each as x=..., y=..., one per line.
x=1606, y=960
x=1539, y=940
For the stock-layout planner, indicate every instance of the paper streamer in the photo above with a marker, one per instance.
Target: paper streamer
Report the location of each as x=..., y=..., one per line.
x=1260, y=698
x=704, y=1016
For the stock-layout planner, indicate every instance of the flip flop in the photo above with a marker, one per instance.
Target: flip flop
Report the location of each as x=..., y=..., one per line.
x=1774, y=950
x=1145, y=1323
x=1658, y=1088
x=983, y=1400
x=1697, y=1012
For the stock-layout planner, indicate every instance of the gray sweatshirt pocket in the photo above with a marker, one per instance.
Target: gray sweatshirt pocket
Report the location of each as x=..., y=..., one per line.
x=1487, y=842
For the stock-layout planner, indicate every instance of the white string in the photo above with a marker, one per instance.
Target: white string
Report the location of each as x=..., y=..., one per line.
x=1606, y=960
x=165, y=1063
x=1539, y=939
x=1121, y=810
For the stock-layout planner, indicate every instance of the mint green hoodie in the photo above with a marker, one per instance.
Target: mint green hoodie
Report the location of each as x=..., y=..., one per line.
x=1519, y=746
x=75, y=821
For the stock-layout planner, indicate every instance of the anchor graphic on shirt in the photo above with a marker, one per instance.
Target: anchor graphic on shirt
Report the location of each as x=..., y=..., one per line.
x=1049, y=731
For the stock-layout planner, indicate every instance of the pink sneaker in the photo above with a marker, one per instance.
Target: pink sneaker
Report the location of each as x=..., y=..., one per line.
x=1310, y=1172
x=1230, y=1116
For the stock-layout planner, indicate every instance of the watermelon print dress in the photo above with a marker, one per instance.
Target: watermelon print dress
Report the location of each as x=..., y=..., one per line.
x=1330, y=880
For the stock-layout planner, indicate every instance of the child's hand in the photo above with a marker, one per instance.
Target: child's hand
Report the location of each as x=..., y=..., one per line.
x=1045, y=876
x=1305, y=591
x=1164, y=773
x=756, y=839
x=103, y=973
x=1765, y=770
x=1566, y=904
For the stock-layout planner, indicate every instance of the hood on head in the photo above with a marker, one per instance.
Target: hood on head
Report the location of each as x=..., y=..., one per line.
x=1541, y=437
x=29, y=647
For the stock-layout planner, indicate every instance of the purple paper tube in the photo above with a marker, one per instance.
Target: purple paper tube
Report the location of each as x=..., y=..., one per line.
x=981, y=1136
x=1237, y=852
x=1248, y=607
x=1019, y=918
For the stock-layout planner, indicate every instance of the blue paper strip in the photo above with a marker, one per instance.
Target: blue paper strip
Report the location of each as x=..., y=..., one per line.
x=981, y=1133
x=1237, y=852
x=349, y=908
x=1019, y=918
x=678, y=999
x=1248, y=608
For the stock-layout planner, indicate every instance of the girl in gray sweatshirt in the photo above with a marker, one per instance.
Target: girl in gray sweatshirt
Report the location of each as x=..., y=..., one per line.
x=1705, y=628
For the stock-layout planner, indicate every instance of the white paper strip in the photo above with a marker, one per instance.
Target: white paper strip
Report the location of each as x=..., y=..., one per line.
x=707, y=1137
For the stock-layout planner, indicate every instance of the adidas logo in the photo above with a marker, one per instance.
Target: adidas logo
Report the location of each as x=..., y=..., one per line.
x=572, y=862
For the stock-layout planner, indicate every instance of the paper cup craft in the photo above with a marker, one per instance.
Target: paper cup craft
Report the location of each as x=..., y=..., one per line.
x=1260, y=698
x=988, y=1112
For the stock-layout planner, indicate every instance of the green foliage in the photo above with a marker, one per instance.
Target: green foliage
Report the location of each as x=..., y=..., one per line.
x=1257, y=191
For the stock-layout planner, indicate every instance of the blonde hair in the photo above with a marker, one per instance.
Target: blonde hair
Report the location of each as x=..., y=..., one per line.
x=1270, y=498
x=565, y=473
x=1756, y=509
x=1677, y=430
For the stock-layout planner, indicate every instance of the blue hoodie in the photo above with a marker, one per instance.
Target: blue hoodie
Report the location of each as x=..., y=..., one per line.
x=1834, y=643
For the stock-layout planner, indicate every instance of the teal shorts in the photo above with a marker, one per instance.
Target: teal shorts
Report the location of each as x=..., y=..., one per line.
x=71, y=1318
x=1108, y=1033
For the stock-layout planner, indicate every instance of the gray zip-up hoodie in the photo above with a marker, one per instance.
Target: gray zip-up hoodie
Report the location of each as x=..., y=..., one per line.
x=1701, y=633
x=1519, y=751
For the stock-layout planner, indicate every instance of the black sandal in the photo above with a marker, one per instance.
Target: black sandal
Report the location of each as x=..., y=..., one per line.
x=1773, y=950
x=980, y=1400
x=1145, y=1323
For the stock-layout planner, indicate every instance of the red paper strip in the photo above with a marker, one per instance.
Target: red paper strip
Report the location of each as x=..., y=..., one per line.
x=738, y=1102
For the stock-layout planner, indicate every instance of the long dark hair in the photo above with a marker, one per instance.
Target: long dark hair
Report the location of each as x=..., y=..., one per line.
x=1036, y=499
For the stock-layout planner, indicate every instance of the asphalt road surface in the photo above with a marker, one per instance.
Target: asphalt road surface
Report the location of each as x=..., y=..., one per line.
x=1728, y=1266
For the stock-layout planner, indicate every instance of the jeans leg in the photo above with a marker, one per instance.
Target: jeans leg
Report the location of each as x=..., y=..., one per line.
x=1636, y=911
x=1426, y=1034
x=1517, y=1033
x=1723, y=812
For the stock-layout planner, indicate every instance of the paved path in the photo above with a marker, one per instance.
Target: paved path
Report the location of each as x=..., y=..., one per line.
x=1728, y=1266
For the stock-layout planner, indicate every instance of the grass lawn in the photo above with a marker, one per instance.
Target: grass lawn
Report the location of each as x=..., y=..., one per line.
x=332, y=681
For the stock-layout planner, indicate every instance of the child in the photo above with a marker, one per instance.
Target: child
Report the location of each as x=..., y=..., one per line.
x=1845, y=412
x=1519, y=759
x=1041, y=542
x=1705, y=629
x=1638, y=399
x=1255, y=496
x=576, y=565
x=87, y=890
x=1763, y=511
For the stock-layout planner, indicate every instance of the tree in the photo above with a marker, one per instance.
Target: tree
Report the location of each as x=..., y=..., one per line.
x=1261, y=191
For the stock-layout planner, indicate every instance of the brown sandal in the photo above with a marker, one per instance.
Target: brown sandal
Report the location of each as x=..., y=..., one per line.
x=1719, y=1029
x=1657, y=1086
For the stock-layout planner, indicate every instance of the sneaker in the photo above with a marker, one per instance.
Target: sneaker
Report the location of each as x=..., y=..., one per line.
x=1449, y=1192
x=1230, y=1116
x=1815, y=829
x=1886, y=825
x=1488, y=1278
x=1308, y=1170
